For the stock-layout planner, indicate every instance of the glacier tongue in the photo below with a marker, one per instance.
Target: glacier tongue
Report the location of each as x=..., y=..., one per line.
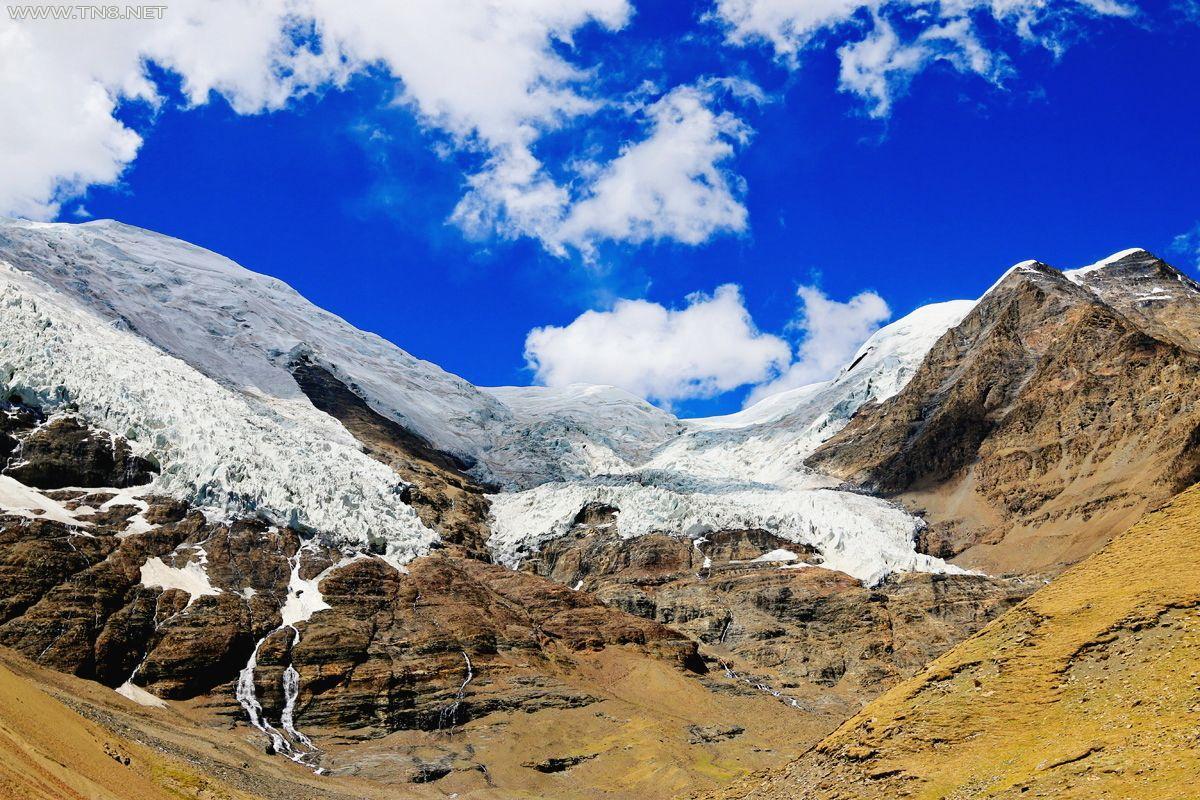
x=856, y=534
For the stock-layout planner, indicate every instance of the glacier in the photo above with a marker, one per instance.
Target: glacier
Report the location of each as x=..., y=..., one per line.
x=188, y=355
x=232, y=452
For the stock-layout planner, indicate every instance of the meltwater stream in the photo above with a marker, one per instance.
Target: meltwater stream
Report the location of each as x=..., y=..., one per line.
x=288, y=742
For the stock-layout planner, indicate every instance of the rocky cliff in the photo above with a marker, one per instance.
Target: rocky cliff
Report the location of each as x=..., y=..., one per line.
x=1050, y=419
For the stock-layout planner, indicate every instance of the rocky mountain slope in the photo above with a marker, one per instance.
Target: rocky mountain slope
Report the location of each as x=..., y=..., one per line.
x=1087, y=689
x=1050, y=419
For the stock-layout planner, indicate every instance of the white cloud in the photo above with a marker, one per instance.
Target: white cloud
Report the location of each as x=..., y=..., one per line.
x=708, y=347
x=489, y=74
x=879, y=65
x=832, y=333
x=61, y=82
x=670, y=185
x=492, y=77
x=1187, y=245
x=486, y=73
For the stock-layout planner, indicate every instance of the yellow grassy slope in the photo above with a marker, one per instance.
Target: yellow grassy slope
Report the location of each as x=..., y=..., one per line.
x=1089, y=689
x=49, y=752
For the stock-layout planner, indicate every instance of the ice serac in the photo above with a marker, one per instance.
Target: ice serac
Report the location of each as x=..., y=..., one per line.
x=581, y=430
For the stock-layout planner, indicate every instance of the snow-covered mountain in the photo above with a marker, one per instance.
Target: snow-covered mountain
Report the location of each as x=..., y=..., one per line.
x=213, y=492
x=239, y=327
x=190, y=356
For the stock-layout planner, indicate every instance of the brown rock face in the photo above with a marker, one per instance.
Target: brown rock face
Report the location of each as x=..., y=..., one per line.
x=394, y=650
x=77, y=602
x=66, y=452
x=1159, y=298
x=390, y=652
x=813, y=635
x=1043, y=424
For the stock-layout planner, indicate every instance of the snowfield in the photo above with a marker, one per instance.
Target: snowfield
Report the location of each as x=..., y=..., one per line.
x=187, y=355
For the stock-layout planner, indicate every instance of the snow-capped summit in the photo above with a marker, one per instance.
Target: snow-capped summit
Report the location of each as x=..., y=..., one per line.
x=1144, y=287
x=769, y=441
x=1132, y=254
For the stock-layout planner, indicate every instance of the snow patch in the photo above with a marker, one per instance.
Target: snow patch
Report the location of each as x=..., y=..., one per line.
x=192, y=577
x=778, y=556
x=304, y=597
x=25, y=501
x=137, y=694
x=1029, y=266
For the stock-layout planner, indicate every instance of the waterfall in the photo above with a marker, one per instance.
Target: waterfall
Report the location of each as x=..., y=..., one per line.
x=291, y=690
x=450, y=712
x=762, y=687
x=248, y=698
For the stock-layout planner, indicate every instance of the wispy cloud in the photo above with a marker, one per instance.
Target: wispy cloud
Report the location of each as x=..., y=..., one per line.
x=886, y=43
x=1187, y=245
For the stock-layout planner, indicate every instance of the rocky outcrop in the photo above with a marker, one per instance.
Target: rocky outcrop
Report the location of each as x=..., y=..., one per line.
x=64, y=451
x=1043, y=424
x=1160, y=299
x=760, y=606
x=452, y=640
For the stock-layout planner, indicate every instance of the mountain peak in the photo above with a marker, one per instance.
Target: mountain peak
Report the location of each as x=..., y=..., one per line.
x=1132, y=259
x=1147, y=290
x=1036, y=274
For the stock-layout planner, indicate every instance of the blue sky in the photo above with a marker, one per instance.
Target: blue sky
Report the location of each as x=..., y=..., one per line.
x=350, y=196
